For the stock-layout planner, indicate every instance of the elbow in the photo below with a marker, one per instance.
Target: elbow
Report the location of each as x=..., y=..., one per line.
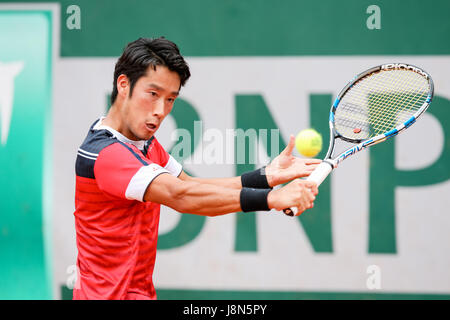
x=178, y=202
x=179, y=198
x=182, y=205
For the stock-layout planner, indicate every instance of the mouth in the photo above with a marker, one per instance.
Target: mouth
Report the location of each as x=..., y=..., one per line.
x=151, y=126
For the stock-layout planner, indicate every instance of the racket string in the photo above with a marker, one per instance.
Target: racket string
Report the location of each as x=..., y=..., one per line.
x=402, y=101
x=385, y=113
x=379, y=102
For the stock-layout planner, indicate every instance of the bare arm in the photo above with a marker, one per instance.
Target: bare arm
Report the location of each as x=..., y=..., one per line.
x=213, y=200
x=218, y=196
x=190, y=196
x=233, y=182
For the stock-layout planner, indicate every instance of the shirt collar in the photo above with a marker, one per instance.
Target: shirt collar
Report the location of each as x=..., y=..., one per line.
x=140, y=144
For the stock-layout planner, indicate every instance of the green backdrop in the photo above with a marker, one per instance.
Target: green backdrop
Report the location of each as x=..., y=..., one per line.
x=201, y=28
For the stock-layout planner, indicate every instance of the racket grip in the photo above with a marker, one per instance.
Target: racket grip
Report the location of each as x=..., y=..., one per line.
x=317, y=176
x=320, y=173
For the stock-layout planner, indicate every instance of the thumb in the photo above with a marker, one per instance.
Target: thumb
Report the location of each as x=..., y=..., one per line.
x=290, y=147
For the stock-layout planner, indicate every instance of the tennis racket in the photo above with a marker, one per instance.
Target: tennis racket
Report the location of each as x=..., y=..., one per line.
x=375, y=106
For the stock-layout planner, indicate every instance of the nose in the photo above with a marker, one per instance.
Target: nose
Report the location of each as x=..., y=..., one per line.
x=158, y=108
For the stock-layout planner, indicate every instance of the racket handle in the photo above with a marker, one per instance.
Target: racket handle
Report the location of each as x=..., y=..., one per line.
x=290, y=211
x=320, y=173
x=317, y=176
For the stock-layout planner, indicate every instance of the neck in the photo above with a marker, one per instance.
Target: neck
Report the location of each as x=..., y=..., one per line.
x=113, y=119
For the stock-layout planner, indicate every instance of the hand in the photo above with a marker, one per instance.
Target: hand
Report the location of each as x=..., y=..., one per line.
x=298, y=193
x=285, y=167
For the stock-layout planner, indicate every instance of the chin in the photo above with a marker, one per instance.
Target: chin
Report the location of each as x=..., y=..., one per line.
x=147, y=135
x=143, y=134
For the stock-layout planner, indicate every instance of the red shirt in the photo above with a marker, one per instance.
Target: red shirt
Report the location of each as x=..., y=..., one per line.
x=116, y=231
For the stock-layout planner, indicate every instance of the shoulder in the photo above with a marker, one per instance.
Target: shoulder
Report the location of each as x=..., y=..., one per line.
x=96, y=140
x=87, y=153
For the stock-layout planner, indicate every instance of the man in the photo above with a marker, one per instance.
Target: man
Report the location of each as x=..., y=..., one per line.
x=123, y=175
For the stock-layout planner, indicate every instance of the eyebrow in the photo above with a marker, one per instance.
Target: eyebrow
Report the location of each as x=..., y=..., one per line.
x=155, y=86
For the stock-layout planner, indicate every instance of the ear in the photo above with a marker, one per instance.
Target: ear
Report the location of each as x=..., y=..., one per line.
x=123, y=86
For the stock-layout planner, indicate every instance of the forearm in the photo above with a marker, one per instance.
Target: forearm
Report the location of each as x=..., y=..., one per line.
x=209, y=199
x=231, y=183
x=193, y=196
x=252, y=179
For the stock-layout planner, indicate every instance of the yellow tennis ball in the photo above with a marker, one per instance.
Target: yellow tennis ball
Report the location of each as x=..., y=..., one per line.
x=308, y=142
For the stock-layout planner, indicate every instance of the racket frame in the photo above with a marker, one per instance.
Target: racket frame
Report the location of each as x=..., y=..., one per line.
x=328, y=164
x=362, y=144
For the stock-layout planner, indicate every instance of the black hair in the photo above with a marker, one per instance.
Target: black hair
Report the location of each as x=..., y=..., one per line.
x=144, y=52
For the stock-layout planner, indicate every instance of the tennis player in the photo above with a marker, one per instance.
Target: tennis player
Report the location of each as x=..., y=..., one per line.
x=123, y=175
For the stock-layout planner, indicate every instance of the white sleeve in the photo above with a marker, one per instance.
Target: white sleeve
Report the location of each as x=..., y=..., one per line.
x=141, y=180
x=173, y=166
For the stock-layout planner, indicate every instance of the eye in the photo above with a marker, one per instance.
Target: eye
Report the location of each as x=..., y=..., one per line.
x=153, y=93
x=171, y=100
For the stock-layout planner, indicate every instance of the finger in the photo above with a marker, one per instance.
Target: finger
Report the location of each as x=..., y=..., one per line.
x=311, y=200
x=314, y=190
x=306, y=203
x=310, y=184
x=303, y=201
x=300, y=210
x=312, y=187
x=308, y=196
x=312, y=161
x=290, y=147
x=306, y=164
x=310, y=168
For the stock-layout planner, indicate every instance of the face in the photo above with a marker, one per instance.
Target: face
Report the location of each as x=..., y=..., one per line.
x=151, y=101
